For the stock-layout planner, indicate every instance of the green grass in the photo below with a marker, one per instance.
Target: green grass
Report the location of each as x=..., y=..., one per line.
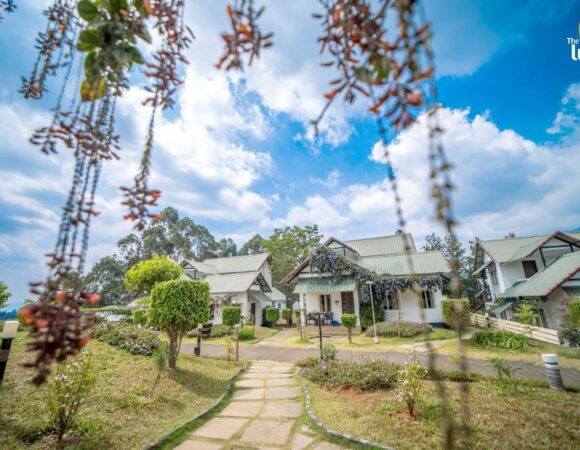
x=117, y=414
x=259, y=333
x=364, y=342
x=535, y=418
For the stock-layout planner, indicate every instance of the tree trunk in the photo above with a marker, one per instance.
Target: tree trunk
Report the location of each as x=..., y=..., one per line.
x=349, y=335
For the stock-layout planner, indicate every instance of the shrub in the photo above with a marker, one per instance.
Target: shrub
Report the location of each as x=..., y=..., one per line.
x=328, y=352
x=287, y=315
x=574, y=311
x=217, y=331
x=364, y=374
x=501, y=339
x=146, y=274
x=410, y=383
x=366, y=314
x=245, y=334
x=176, y=307
x=349, y=321
x=231, y=315
x=66, y=392
x=309, y=361
x=569, y=331
x=456, y=313
x=501, y=369
x=140, y=317
x=160, y=359
x=131, y=338
x=408, y=329
x=272, y=315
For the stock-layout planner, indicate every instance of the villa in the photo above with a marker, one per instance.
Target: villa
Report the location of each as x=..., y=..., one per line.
x=384, y=257
x=545, y=269
x=244, y=281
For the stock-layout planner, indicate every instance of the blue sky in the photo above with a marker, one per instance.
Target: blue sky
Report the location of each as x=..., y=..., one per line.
x=237, y=153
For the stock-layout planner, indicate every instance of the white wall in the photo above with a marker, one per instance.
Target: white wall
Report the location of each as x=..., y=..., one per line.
x=411, y=310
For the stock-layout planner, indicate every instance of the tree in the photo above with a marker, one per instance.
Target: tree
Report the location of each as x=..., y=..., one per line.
x=226, y=247
x=288, y=247
x=131, y=250
x=254, y=246
x=510, y=235
x=144, y=276
x=177, y=306
x=348, y=321
x=4, y=295
x=106, y=279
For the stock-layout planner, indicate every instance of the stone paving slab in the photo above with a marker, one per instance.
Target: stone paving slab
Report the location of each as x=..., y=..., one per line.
x=221, y=428
x=280, y=382
x=198, y=445
x=288, y=409
x=250, y=383
x=282, y=392
x=243, y=408
x=301, y=442
x=268, y=431
x=255, y=376
x=249, y=394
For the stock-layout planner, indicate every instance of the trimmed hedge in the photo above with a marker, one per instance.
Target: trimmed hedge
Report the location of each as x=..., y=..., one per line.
x=502, y=339
x=287, y=314
x=456, y=313
x=348, y=320
x=231, y=315
x=272, y=315
x=131, y=338
x=217, y=331
x=574, y=311
x=408, y=329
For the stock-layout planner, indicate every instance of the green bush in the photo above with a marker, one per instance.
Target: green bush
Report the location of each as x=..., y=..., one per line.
x=131, y=338
x=500, y=339
x=231, y=315
x=574, y=311
x=328, y=352
x=348, y=321
x=569, y=331
x=245, y=334
x=366, y=314
x=456, y=313
x=140, y=317
x=177, y=306
x=287, y=315
x=145, y=275
x=272, y=315
x=408, y=329
x=217, y=331
x=364, y=374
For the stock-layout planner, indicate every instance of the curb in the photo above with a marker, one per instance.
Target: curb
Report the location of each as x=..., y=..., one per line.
x=327, y=430
x=213, y=406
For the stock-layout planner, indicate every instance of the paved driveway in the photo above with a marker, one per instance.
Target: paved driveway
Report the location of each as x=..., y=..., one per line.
x=290, y=354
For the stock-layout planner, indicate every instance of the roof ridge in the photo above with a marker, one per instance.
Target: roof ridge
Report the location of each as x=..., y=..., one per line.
x=378, y=237
x=232, y=257
x=422, y=252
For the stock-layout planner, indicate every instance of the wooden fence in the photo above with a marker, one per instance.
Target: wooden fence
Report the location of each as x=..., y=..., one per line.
x=538, y=333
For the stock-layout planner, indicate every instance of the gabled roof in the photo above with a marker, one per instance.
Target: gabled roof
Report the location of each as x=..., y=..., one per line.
x=423, y=263
x=382, y=245
x=235, y=282
x=190, y=264
x=504, y=250
x=276, y=295
x=545, y=281
x=236, y=264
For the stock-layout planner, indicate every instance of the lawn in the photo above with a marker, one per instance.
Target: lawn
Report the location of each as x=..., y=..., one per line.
x=259, y=333
x=535, y=418
x=568, y=357
x=117, y=414
x=366, y=342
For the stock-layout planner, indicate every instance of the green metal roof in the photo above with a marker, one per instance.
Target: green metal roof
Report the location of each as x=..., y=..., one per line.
x=234, y=264
x=322, y=285
x=423, y=263
x=276, y=295
x=230, y=283
x=260, y=296
x=383, y=245
x=548, y=279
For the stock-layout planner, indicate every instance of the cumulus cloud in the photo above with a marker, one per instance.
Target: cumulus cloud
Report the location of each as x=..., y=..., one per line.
x=331, y=181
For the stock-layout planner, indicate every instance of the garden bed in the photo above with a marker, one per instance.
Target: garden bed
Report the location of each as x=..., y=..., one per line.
x=536, y=417
x=118, y=414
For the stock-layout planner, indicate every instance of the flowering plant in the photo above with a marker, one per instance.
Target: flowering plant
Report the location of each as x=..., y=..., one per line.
x=410, y=384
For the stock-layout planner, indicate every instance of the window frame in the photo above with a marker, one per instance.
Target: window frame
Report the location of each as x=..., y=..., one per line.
x=322, y=302
x=390, y=299
x=527, y=263
x=427, y=298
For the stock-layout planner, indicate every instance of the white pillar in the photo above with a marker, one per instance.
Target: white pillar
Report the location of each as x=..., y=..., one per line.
x=302, y=309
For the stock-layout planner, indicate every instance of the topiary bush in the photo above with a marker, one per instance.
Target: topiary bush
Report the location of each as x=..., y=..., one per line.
x=500, y=339
x=574, y=311
x=456, y=313
x=231, y=315
x=245, y=334
x=364, y=374
x=140, y=317
x=146, y=274
x=176, y=307
x=408, y=329
x=272, y=315
x=287, y=315
x=131, y=338
x=366, y=314
x=348, y=321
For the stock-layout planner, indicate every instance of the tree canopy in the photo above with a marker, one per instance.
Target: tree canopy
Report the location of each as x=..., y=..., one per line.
x=4, y=295
x=146, y=274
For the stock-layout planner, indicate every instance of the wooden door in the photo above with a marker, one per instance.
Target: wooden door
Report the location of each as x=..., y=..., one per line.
x=347, y=302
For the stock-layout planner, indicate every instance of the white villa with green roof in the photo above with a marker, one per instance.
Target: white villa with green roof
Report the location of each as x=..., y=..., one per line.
x=546, y=268
x=244, y=281
x=384, y=256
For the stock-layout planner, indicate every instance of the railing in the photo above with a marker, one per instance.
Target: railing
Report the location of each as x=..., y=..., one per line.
x=537, y=333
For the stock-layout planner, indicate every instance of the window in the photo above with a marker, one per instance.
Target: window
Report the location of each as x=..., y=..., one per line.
x=325, y=303
x=391, y=300
x=493, y=274
x=427, y=301
x=530, y=268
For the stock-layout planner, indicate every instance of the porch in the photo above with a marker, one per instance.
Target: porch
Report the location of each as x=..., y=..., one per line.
x=329, y=330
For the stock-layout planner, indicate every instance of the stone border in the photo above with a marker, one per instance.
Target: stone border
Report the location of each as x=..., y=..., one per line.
x=327, y=430
x=213, y=406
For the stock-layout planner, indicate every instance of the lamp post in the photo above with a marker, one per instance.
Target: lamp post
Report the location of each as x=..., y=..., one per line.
x=10, y=329
x=370, y=285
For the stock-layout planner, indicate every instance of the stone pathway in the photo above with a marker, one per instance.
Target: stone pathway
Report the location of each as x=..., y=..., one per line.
x=263, y=414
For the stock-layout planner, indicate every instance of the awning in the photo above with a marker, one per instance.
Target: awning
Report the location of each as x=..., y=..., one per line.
x=501, y=308
x=482, y=267
x=260, y=296
x=324, y=285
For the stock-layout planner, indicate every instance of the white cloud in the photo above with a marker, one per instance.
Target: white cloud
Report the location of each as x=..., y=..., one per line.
x=331, y=181
x=568, y=118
